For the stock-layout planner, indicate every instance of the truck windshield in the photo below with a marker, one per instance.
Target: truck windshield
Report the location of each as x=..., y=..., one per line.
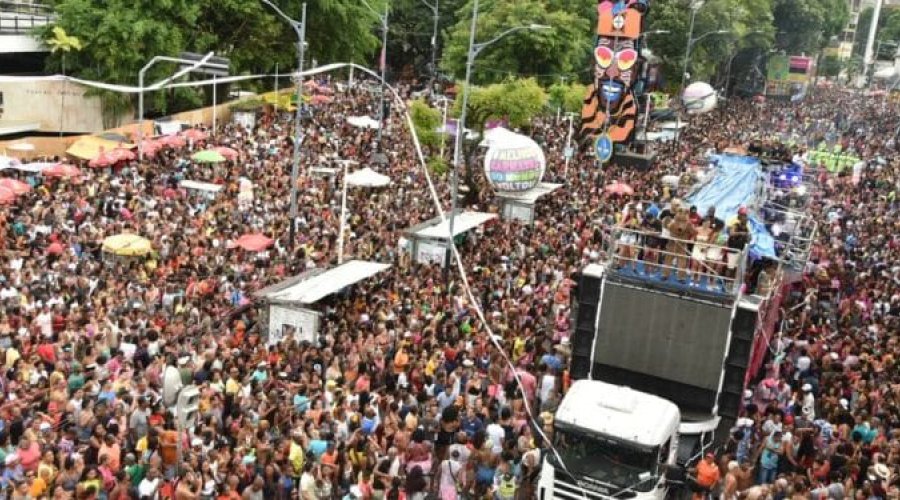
x=605, y=459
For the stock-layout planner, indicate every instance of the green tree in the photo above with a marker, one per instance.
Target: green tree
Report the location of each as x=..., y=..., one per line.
x=517, y=101
x=888, y=32
x=427, y=121
x=410, y=31
x=806, y=26
x=830, y=66
x=546, y=54
x=569, y=98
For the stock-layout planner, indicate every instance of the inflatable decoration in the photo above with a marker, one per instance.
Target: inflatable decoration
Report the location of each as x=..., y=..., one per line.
x=610, y=105
x=699, y=98
x=514, y=164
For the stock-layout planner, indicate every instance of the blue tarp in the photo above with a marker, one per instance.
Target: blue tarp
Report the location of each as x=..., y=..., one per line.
x=735, y=184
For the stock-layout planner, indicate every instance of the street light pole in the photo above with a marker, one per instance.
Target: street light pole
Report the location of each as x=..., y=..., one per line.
x=300, y=30
x=383, y=18
x=474, y=50
x=194, y=64
x=435, y=9
x=687, y=51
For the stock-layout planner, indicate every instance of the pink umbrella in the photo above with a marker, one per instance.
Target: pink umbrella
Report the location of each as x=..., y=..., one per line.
x=229, y=153
x=55, y=249
x=62, y=170
x=172, y=141
x=321, y=99
x=254, y=242
x=122, y=154
x=619, y=188
x=311, y=84
x=195, y=134
x=15, y=186
x=7, y=196
x=104, y=159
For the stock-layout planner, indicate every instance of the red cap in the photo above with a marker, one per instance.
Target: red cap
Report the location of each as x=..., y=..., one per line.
x=742, y=211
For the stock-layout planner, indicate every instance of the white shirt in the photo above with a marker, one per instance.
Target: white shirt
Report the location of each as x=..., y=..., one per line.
x=45, y=321
x=497, y=435
x=149, y=488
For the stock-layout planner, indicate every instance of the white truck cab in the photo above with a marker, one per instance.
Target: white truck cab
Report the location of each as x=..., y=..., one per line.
x=613, y=443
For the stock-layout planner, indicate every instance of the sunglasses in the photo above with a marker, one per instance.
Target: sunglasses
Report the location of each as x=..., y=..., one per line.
x=626, y=58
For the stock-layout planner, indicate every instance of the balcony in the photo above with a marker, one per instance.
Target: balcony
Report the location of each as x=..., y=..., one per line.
x=17, y=21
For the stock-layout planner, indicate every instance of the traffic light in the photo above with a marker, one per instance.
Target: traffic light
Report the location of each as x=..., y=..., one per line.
x=187, y=407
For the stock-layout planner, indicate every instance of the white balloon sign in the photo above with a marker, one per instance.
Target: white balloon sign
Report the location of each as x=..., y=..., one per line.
x=514, y=164
x=699, y=98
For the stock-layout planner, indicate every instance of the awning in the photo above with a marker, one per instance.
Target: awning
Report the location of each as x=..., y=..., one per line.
x=201, y=186
x=88, y=148
x=464, y=222
x=315, y=288
x=532, y=195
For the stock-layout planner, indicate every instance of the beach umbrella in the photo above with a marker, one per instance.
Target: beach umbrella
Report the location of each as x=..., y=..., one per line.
x=367, y=178
x=321, y=99
x=228, y=153
x=127, y=244
x=208, y=156
x=195, y=134
x=8, y=161
x=61, y=170
x=123, y=154
x=254, y=242
x=104, y=159
x=16, y=186
x=619, y=188
x=7, y=196
x=172, y=141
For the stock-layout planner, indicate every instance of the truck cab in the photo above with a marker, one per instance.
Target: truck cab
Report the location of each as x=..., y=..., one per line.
x=610, y=442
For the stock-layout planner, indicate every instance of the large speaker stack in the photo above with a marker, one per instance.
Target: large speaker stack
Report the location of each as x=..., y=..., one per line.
x=743, y=327
x=584, y=312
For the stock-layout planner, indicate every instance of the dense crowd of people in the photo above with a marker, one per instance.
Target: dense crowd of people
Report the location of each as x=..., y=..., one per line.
x=403, y=394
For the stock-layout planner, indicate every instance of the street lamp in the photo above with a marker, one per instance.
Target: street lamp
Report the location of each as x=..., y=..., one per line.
x=655, y=32
x=435, y=9
x=690, y=46
x=383, y=18
x=474, y=50
x=188, y=65
x=300, y=29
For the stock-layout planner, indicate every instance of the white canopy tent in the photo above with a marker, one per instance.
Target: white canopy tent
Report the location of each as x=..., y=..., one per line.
x=428, y=242
x=290, y=312
x=465, y=221
x=364, y=122
x=364, y=178
x=367, y=177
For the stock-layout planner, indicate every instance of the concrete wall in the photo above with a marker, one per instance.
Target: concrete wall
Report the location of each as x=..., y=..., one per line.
x=50, y=103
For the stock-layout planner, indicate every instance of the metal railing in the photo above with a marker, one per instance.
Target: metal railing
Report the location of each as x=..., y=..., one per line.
x=23, y=17
x=700, y=265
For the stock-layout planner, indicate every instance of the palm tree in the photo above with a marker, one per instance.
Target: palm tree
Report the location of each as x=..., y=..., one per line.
x=63, y=43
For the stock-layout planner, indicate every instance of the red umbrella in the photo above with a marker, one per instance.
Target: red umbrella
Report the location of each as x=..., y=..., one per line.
x=619, y=188
x=104, y=159
x=55, y=249
x=195, y=134
x=15, y=186
x=321, y=99
x=7, y=196
x=229, y=153
x=254, y=242
x=62, y=170
x=122, y=154
x=172, y=141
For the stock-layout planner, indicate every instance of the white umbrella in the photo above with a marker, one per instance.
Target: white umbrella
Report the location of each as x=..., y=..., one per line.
x=363, y=122
x=21, y=146
x=367, y=178
x=35, y=167
x=8, y=161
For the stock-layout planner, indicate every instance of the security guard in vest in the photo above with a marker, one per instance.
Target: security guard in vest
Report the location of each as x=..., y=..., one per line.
x=506, y=487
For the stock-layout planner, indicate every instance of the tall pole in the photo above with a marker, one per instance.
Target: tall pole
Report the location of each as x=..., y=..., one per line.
x=383, y=62
x=687, y=50
x=215, y=115
x=461, y=128
x=434, y=38
x=295, y=169
x=870, y=41
x=276, y=89
x=444, y=127
x=342, y=225
x=568, y=152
